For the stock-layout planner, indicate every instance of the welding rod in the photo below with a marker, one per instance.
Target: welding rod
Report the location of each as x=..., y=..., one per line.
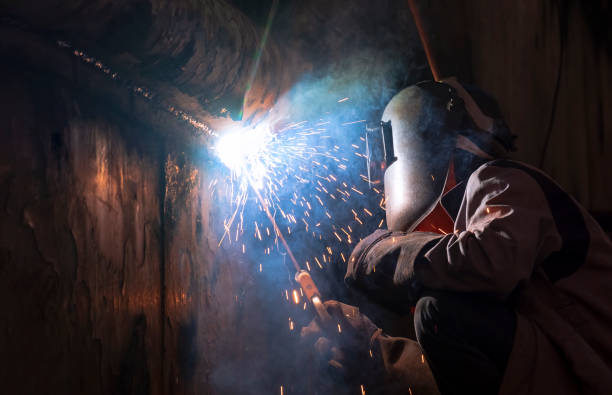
x=301, y=276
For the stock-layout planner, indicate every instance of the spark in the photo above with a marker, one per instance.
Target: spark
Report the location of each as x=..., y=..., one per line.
x=296, y=298
x=318, y=263
x=351, y=123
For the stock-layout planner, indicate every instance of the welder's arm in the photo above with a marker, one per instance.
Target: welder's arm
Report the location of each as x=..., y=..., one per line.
x=382, y=267
x=503, y=230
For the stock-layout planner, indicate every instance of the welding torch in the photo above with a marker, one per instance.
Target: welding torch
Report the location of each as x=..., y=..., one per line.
x=302, y=277
x=312, y=294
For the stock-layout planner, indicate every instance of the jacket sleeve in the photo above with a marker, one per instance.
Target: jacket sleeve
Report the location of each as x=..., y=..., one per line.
x=503, y=230
x=382, y=266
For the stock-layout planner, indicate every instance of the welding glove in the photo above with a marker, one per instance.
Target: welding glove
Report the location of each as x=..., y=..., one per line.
x=382, y=267
x=343, y=345
x=359, y=356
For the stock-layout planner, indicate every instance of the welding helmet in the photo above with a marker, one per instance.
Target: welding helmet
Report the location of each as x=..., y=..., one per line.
x=421, y=128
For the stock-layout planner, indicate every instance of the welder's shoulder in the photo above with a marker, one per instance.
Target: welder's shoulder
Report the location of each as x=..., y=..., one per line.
x=510, y=176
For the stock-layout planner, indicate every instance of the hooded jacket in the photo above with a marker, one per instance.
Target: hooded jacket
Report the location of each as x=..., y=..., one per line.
x=518, y=237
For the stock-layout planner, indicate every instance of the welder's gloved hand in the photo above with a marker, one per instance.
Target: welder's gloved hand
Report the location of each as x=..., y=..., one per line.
x=382, y=266
x=343, y=345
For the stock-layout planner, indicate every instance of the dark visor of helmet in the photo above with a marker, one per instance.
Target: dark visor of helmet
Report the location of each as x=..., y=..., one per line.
x=379, y=151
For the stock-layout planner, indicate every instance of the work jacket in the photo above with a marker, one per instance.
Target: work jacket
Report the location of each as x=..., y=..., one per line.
x=518, y=237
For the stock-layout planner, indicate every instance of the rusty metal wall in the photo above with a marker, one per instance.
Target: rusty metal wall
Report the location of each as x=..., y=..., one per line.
x=110, y=278
x=80, y=244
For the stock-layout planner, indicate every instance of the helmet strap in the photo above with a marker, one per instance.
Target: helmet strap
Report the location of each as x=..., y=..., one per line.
x=481, y=120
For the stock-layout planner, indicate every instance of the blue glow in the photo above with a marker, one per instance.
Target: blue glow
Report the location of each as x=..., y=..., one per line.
x=243, y=151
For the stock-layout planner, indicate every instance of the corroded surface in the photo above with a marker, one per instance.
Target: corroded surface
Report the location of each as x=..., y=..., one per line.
x=109, y=281
x=193, y=55
x=80, y=246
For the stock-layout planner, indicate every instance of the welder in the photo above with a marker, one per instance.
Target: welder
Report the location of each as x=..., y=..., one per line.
x=513, y=297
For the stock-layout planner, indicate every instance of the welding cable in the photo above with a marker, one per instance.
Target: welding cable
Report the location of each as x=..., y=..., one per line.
x=433, y=66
